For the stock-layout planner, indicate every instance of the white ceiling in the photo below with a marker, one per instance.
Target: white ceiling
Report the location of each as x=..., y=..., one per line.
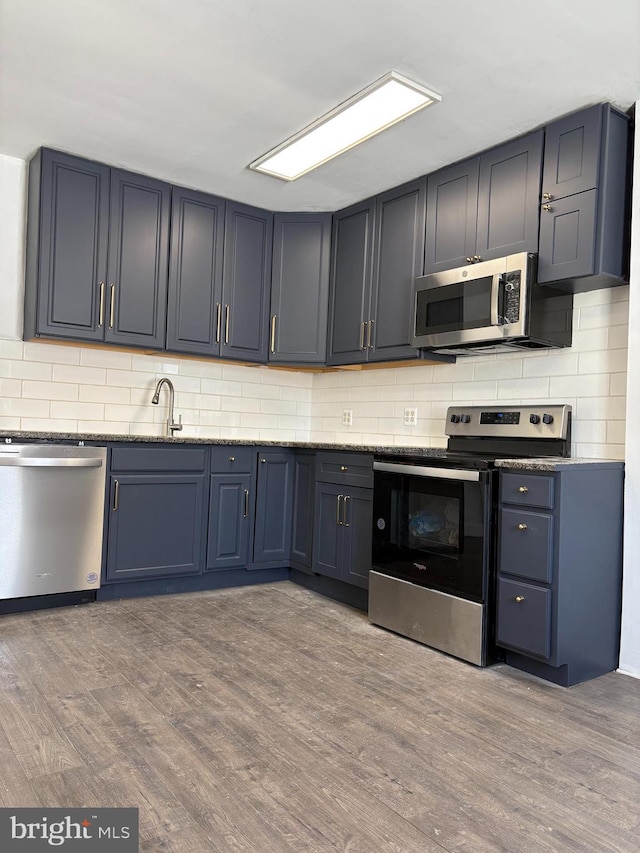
x=193, y=90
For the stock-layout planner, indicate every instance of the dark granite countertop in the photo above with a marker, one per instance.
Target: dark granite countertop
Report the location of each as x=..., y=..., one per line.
x=550, y=463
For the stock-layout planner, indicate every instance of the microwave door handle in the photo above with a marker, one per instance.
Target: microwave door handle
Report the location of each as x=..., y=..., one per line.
x=495, y=299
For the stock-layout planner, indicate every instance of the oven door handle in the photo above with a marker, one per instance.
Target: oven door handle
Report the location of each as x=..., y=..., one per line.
x=426, y=471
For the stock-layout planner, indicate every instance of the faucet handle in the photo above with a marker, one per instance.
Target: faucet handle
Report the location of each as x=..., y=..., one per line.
x=175, y=426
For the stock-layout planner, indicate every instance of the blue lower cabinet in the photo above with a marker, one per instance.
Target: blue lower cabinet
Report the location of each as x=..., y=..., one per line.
x=229, y=521
x=524, y=617
x=274, y=498
x=342, y=533
x=156, y=526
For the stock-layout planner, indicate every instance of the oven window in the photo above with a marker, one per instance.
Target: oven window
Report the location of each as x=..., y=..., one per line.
x=433, y=522
x=454, y=307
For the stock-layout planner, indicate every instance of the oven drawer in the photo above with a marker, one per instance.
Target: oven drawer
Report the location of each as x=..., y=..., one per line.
x=524, y=617
x=526, y=489
x=348, y=469
x=526, y=544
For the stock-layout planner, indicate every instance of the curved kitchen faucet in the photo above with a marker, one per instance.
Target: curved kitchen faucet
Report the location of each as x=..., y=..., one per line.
x=171, y=425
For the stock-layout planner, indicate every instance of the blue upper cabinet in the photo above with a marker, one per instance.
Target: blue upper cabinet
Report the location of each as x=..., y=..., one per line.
x=138, y=257
x=68, y=234
x=485, y=207
x=583, y=234
x=248, y=242
x=194, y=313
x=377, y=251
x=300, y=288
x=97, y=253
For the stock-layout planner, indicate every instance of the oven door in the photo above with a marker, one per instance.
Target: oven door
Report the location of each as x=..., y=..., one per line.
x=432, y=527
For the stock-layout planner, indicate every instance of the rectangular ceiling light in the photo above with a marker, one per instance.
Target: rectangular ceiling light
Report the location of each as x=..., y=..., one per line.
x=385, y=102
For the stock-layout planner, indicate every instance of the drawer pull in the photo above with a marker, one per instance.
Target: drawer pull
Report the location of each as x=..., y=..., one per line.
x=338, y=504
x=246, y=503
x=522, y=526
x=523, y=490
x=232, y=459
x=343, y=468
x=263, y=460
x=519, y=599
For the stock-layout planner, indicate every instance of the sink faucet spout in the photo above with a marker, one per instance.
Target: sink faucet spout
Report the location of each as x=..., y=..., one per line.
x=171, y=424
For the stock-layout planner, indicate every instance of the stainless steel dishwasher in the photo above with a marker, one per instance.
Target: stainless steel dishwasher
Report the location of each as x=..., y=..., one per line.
x=51, y=518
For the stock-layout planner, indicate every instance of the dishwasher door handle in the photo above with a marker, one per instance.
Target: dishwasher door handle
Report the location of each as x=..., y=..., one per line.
x=47, y=462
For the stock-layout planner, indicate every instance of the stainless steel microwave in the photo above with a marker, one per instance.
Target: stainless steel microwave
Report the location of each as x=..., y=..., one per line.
x=488, y=307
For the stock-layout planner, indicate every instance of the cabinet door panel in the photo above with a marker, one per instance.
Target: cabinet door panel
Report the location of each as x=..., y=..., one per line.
x=302, y=511
x=195, y=273
x=399, y=258
x=246, y=282
x=572, y=153
x=227, y=547
x=350, y=283
x=526, y=544
x=74, y=214
x=358, y=520
x=452, y=212
x=138, y=260
x=508, y=198
x=328, y=534
x=524, y=617
x=156, y=528
x=568, y=238
x=272, y=538
x=300, y=287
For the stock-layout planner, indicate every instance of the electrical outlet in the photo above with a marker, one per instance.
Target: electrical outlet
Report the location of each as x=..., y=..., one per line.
x=347, y=417
x=410, y=416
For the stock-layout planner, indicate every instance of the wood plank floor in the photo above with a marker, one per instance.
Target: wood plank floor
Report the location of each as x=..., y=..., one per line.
x=270, y=719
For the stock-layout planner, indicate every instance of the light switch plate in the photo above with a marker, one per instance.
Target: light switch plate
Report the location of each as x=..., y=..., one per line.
x=347, y=417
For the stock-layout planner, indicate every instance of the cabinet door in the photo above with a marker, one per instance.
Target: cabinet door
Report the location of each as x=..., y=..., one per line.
x=350, y=283
x=138, y=260
x=228, y=542
x=155, y=526
x=328, y=530
x=246, y=284
x=452, y=213
x=358, y=520
x=568, y=238
x=272, y=533
x=194, y=312
x=572, y=154
x=524, y=617
x=508, y=198
x=398, y=259
x=67, y=265
x=300, y=287
x=304, y=467
x=526, y=544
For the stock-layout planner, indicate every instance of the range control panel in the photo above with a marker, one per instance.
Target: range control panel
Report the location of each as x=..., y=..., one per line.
x=550, y=420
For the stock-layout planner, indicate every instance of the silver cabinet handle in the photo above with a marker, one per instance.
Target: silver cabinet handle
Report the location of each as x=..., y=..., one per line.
x=369, y=330
x=101, y=312
x=246, y=503
x=112, y=305
x=116, y=491
x=344, y=511
x=227, y=315
x=273, y=333
x=362, y=325
x=338, y=503
x=218, y=321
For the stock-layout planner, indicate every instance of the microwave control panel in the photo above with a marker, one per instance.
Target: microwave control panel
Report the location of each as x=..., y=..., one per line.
x=511, y=297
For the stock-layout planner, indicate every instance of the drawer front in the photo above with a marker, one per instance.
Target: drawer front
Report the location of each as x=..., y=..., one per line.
x=347, y=469
x=526, y=544
x=158, y=459
x=232, y=459
x=524, y=617
x=526, y=489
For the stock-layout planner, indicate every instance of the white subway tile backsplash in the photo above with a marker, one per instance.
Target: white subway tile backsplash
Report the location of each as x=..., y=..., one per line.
x=19, y=407
x=90, y=357
x=73, y=373
x=603, y=361
x=278, y=407
x=592, y=385
x=603, y=316
x=48, y=425
x=37, y=370
x=560, y=363
x=155, y=364
x=600, y=408
x=11, y=349
x=51, y=353
x=49, y=390
x=10, y=387
x=240, y=404
x=498, y=368
x=618, y=384
x=523, y=389
x=615, y=432
x=77, y=411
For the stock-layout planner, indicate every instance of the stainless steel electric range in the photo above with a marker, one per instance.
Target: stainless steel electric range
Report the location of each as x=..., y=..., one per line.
x=435, y=520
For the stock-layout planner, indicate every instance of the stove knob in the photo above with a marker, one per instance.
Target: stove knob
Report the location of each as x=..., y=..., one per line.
x=465, y=419
x=534, y=419
x=547, y=419
x=455, y=419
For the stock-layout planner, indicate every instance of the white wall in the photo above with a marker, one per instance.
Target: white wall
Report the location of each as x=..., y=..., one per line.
x=630, y=640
